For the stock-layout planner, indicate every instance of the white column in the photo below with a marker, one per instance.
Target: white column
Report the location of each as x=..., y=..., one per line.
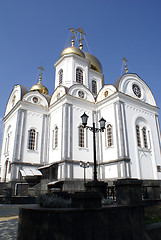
x=67, y=129
x=19, y=136
x=121, y=130
x=44, y=139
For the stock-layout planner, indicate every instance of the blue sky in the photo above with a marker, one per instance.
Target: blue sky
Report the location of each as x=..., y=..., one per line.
x=34, y=32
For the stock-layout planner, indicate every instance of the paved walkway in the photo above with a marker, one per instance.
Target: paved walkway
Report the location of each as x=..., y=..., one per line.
x=9, y=221
x=8, y=229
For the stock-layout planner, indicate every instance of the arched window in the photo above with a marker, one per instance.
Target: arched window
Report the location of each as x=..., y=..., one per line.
x=81, y=137
x=8, y=140
x=145, y=141
x=94, y=87
x=7, y=143
x=55, y=138
x=138, y=136
x=6, y=170
x=79, y=75
x=32, y=139
x=109, y=135
x=60, y=76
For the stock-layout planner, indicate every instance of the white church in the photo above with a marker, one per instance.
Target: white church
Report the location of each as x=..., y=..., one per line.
x=44, y=137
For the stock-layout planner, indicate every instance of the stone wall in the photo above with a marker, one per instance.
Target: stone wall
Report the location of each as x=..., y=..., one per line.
x=116, y=222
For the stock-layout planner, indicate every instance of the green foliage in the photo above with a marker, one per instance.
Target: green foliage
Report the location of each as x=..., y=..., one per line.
x=152, y=214
x=53, y=201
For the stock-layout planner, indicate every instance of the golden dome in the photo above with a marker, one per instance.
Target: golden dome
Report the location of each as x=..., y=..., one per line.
x=74, y=50
x=44, y=90
x=39, y=87
x=95, y=63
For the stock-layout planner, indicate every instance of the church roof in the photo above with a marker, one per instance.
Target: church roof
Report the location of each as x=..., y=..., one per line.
x=47, y=96
x=71, y=50
x=39, y=87
x=23, y=90
x=116, y=84
x=95, y=63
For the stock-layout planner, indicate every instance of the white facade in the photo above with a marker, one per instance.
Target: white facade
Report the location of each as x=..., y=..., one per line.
x=42, y=131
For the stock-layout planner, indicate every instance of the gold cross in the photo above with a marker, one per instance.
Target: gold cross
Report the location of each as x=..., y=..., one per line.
x=42, y=69
x=126, y=69
x=80, y=30
x=72, y=37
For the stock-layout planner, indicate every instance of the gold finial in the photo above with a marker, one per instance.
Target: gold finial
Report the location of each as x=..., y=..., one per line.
x=80, y=30
x=126, y=69
x=72, y=37
x=40, y=74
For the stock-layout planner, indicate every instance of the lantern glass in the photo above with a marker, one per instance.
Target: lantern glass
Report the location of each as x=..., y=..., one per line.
x=87, y=164
x=84, y=119
x=102, y=123
x=81, y=163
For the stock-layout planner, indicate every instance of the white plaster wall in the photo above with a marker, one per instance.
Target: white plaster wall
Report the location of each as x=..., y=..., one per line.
x=66, y=66
x=41, y=99
x=78, y=172
x=106, y=92
x=55, y=120
x=111, y=171
x=93, y=75
x=61, y=171
x=83, y=64
x=16, y=94
x=133, y=112
x=79, y=153
x=69, y=65
x=58, y=93
x=108, y=153
x=125, y=86
x=9, y=123
x=33, y=120
x=74, y=91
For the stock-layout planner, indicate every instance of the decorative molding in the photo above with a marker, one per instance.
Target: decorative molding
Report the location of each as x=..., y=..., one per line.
x=34, y=114
x=139, y=110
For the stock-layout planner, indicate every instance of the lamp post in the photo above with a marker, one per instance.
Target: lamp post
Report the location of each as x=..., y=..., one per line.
x=102, y=122
x=84, y=165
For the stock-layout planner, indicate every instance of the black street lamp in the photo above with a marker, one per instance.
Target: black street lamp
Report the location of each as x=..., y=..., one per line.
x=94, y=130
x=84, y=165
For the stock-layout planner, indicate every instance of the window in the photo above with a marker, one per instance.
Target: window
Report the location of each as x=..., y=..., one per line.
x=136, y=90
x=60, y=76
x=79, y=76
x=81, y=94
x=145, y=142
x=13, y=100
x=32, y=139
x=94, y=87
x=158, y=168
x=81, y=137
x=109, y=135
x=138, y=136
x=7, y=143
x=55, y=138
x=35, y=99
x=9, y=168
x=58, y=96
